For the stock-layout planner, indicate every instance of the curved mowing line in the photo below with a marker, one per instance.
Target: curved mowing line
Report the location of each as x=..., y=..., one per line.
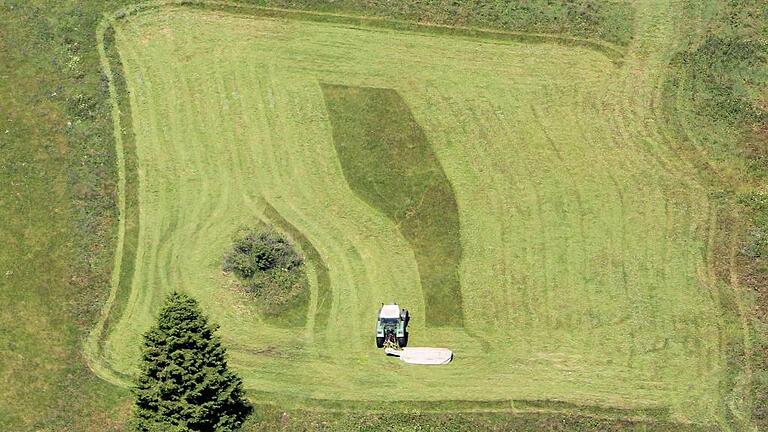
x=131, y=216
x=323, y=304
x=92, y=346
x=389, y=163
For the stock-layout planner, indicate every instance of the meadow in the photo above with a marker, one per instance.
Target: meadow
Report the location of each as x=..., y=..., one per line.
x=527, y=180
x=674, y=102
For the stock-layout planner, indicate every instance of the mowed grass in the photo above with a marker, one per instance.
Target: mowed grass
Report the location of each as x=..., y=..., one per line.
x=584, y=271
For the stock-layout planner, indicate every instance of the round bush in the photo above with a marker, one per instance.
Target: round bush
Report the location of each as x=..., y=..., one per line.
x=269, y=268
x=256, y=250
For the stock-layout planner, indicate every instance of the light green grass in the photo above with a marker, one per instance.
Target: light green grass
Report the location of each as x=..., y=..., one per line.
x=584, y=276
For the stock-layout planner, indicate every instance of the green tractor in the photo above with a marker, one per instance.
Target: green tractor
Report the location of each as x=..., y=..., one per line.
x=391, y=326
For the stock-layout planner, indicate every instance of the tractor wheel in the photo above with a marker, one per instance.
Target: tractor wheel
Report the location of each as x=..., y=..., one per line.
x=405, y=316
x=379, y=342
x=403, y=341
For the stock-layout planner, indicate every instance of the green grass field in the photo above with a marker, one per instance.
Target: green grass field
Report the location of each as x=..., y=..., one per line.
x=585, y=277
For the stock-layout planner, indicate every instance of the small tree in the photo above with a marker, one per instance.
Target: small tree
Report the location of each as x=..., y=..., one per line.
x=185, y=383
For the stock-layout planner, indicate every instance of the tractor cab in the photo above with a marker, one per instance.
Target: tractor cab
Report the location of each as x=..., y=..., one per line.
x=391, y=326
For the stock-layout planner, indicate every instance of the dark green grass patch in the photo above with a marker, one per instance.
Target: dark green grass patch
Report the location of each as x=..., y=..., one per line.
x=389, y=163
x=721, y=83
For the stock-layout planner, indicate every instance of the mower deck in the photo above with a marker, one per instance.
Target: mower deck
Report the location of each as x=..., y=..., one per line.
x=422, y=356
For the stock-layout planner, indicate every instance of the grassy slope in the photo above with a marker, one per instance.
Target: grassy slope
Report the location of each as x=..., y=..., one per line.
x=388, y=161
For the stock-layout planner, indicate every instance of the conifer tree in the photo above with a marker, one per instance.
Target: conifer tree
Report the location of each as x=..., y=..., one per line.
x=185, y=383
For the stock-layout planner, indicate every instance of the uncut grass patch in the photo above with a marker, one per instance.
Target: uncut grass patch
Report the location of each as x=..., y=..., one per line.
x=57, y=216
x=388, y=161
x=715, y=96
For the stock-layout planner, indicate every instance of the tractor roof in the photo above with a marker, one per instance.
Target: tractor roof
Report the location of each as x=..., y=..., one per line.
x=390, y=311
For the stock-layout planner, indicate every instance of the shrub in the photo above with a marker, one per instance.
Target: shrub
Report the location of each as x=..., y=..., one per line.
x=269, y=268
x=258, y=251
